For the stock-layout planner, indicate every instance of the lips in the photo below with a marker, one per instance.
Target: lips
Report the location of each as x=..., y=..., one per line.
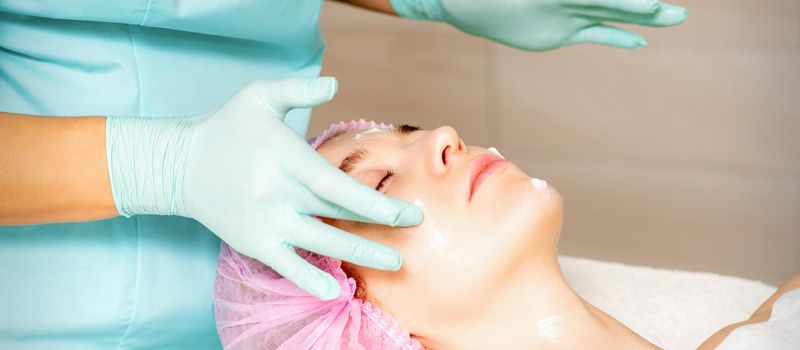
x=481, y=168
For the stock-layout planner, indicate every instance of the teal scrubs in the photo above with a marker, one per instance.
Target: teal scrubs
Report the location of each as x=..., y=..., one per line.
x=144, y=282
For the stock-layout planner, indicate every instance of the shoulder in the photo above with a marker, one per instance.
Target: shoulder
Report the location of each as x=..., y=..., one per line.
x=761, y=315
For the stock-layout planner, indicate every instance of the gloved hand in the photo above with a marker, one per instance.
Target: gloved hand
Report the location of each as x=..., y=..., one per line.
x=538, y=25
x=253, y=181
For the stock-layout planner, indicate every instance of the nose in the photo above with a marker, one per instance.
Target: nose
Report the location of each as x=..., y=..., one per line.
x=444, y=143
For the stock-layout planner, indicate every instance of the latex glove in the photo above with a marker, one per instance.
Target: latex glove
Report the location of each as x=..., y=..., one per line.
x=253, y=181
x=538, y=25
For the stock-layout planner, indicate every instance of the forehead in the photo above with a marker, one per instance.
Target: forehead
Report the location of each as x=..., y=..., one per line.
x=371, y=140
x=340, y=146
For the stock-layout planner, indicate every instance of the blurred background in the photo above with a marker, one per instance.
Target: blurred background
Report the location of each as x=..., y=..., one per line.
x=683, y=155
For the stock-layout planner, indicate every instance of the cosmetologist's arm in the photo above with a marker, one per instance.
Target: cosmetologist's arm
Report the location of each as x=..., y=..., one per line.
x=53, y=169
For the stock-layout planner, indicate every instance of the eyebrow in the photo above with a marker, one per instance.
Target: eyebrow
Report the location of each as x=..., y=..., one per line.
x=349, y=163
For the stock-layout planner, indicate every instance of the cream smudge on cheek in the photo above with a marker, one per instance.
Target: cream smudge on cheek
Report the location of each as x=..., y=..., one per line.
x=434, y=238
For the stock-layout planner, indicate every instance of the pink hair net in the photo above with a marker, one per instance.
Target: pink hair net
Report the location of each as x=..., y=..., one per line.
x=256, y=308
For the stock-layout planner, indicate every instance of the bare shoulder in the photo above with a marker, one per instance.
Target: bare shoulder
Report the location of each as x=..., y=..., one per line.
x=761, y=314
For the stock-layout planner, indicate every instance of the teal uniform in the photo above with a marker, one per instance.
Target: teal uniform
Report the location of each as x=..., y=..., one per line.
x=144, y=282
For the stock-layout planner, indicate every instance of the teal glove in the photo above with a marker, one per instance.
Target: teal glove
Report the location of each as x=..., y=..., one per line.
x=253, y=181
x=538, y=25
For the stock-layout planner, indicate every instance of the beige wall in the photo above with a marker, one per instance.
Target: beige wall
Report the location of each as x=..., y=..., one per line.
x=685, y=154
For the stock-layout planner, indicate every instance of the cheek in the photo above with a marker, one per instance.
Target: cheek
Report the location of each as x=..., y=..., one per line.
x=459, y=252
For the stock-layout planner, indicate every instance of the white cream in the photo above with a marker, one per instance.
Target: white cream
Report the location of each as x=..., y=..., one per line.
x=366, y=132
x=539, y=184
x=433, y=235
x=548, y=328
x=496, y=152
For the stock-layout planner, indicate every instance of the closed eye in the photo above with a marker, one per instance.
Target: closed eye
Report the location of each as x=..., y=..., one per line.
x=384, y=180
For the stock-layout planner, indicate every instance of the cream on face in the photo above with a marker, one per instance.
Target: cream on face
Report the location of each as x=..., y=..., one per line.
x=361, y=135
x=433, y=235
x=541, y=186
x=496, y=152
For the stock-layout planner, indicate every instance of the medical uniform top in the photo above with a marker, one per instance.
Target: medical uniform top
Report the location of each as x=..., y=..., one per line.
x=144, y=282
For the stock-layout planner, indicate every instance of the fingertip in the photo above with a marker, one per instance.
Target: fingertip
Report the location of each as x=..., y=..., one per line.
x=639, y=41
x=386, y=258
x=321, y=90
x=673, y=14
x=385, y=212
x=325, y=288
x=303, y=274
x=398, y=262
x=411, y=215
x=625, y=39
x=332, y=85
x=394, y=212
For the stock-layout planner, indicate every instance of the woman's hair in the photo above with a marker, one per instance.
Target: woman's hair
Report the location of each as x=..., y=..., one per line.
x=257, y=308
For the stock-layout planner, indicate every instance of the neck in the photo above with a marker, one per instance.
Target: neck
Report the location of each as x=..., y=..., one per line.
x=538, y=309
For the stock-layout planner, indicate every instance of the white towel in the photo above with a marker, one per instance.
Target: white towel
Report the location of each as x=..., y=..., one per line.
x=672, y=309
x=780, y=332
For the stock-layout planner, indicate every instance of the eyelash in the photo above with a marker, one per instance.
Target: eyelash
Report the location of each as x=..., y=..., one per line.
x=388, y=176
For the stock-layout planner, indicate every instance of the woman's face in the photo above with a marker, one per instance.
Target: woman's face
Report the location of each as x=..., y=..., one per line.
x=475, y=231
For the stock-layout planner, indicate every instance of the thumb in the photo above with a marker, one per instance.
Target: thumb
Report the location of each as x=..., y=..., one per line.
x=285, y=95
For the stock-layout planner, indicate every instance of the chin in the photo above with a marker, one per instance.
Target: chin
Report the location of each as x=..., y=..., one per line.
x=533, y=216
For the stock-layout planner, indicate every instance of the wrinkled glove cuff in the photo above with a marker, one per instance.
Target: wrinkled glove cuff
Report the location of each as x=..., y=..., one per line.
x=147, y=160
x=430, y=10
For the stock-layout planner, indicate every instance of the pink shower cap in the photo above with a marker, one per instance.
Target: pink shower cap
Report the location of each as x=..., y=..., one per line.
x=256, y=308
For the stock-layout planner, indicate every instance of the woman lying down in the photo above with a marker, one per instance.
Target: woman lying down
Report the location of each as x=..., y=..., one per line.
x=480, y=272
